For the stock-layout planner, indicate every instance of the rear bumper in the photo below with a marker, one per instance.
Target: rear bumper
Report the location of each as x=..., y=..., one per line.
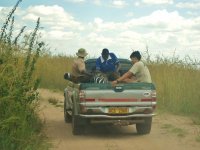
x=116, y=117
x=103, y=112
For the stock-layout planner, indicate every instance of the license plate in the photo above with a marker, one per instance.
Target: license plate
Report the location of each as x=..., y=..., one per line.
x=121, y=110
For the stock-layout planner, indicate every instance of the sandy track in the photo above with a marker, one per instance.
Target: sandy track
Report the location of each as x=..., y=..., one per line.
x=168, y=132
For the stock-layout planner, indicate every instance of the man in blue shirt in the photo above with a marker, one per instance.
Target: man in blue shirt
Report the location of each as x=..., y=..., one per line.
x=108, y=63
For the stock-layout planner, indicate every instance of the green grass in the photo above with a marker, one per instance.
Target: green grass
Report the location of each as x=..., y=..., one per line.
x=196, y=120
x=20, y=126
x=167, y=126
x=177, y=88
x=172, y=129
x=51, y=69
x=53, y=101
x=60, y=105
x=179, y=132
x=198, y=138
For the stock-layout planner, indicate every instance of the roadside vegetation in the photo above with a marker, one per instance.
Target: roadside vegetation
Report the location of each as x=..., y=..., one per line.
x=175, y=130
x=55, y=102
x=177, y=83
x=51, y=70
x=20, y=126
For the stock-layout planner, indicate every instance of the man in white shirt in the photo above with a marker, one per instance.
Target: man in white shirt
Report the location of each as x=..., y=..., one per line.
x=137, y=73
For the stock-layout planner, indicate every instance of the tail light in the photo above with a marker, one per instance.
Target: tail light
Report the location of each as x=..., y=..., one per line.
x=153, y=95
x=83, y=98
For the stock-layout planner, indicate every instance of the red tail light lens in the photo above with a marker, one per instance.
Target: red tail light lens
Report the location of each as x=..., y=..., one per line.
x=153, y=95
x=82, y=96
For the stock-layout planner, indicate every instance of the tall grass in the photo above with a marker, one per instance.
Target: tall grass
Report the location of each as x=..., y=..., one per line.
x=20, y=126
x=51, y=70
x=177, y=87
x=177, y=81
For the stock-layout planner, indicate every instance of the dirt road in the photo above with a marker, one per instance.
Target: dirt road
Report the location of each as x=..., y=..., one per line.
x=168, y=131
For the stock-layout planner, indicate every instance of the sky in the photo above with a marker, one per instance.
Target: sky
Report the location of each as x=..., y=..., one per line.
x=165, y=27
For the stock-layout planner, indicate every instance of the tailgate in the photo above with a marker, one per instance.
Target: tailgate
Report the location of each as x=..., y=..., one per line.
x=133, y=94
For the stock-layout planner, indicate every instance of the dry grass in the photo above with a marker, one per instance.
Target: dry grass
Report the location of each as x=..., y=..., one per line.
x=198, y=138
x=53, y=101
x=177, y=83
x=51, y=70
x=172, y=129
x=177, y=88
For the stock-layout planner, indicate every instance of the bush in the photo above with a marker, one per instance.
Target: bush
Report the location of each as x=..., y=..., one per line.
x=20, y=126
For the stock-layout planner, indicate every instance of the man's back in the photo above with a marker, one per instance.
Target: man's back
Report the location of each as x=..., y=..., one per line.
x=78, y=67
x=141, y=72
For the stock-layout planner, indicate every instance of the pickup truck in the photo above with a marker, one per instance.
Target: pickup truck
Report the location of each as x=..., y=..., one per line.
x=124, y=104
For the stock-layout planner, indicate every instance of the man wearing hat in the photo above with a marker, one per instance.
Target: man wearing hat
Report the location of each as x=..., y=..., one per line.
x=78, y=72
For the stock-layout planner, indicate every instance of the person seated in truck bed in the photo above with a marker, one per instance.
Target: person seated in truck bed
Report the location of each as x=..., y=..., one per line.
x=137, y=73
x=78, y=71
x=108, y=64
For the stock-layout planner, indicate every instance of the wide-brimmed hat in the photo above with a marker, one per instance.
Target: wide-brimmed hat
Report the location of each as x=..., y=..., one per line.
x=81, y=52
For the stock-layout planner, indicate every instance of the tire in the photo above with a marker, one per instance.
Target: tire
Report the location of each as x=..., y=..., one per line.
x=77, y=127
x=144, y=128
x=67, y=116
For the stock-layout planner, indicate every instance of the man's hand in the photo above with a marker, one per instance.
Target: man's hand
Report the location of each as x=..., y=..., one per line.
x=114, y=83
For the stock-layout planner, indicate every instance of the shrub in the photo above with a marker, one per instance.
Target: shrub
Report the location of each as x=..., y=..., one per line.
x=20, y=126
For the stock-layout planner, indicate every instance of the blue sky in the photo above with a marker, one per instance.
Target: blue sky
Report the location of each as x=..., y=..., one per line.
x=165, y=26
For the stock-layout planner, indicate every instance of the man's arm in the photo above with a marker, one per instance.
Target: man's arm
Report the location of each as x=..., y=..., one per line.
x=82, y=69
x=125, y=77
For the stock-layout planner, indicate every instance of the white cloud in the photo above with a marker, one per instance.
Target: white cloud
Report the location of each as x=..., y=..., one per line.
x=52, y=16
x=99, y=25
x=4, y=11
x=119, y=3
x=97, y=2
x=76, y=1
x=160, y=19
x=58, y=35
x=31, y=16
x=162, y=30
x=152, y=2
x=98, y=21
x=137, y=3
x=102, y=40
x=190, y=5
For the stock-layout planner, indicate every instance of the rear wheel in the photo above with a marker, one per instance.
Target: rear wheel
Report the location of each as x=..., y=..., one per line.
x=144, y=128
x=77, y=124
